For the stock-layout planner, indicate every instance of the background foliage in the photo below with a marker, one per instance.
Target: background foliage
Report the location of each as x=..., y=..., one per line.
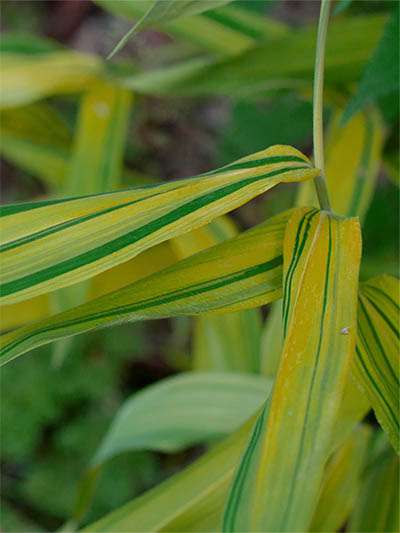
x=58, y=405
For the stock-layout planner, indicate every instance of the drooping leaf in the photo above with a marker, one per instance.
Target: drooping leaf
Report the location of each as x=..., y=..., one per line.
x=377, y=355
x=280, y=473
x=187, y=409
x=52, y=244
x=201, y=283
x=164, y=11
x=285, y=62
x=377, y=507
x=342, y=481
x=381, y=75
x=26, y=78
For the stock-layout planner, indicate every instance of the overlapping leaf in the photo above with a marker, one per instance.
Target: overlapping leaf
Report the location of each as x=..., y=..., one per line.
x=285, y=62
x=278, y=480
x=52, y=244
x=164, y=11
x=201, y=283
x=184, y=410
x=377, y=506
x=342, y=481
x=377, y=355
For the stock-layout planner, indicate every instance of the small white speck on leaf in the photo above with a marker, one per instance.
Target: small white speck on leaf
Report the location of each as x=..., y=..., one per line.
x=344, y=331
x=102, y=109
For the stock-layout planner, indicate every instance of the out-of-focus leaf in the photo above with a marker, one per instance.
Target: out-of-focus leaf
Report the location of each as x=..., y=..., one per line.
x=26, y=78
x=353, y=158
x=100, y=140
x=201, y=283
x=381, y=75
x=342, y=480
x=183, y=410
x=36, y=139
x=285, y=62
x=341, y=5
x=377, y=355
x=377, y=507
x=227, y=343
x=272, y=341
x=52, y=244
x=229, y=31
x=190, y=501
x=290, y=443
x=164, y=11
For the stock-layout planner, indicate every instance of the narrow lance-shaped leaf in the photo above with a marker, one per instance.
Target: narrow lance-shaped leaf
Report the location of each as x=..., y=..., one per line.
x=183, y=410
x=287, y=61
x=377, y=356
x=164, y=11
x=52, y=244
x=279, y=477
x=201, y=283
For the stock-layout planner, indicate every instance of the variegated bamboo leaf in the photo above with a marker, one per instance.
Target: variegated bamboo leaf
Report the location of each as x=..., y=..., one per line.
x=52, y=244
x=353, y=157
x=201, y=283
x=280, y=473
x=377, y=355
x=342, y=481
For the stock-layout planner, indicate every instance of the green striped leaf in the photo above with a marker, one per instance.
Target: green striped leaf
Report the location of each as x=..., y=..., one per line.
x=342, y=480
x=377, y=355
x=279, y=477
x=26, y=78
x=52, y=244
x=377, y=507
x=201, y=283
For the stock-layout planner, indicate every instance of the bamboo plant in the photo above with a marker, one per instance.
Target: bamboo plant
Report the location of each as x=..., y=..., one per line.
x=294, y=453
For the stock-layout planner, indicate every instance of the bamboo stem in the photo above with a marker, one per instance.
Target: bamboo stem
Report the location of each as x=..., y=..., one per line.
x=318, y=95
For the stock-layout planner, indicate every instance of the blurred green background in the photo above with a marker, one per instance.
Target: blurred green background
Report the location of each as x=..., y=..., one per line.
x=54, y=413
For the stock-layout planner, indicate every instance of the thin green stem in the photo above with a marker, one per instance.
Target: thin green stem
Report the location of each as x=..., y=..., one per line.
x=318, y=98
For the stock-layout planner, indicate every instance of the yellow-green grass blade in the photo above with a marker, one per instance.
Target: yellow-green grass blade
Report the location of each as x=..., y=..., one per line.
x=219, y=343
x=100, y=140
x=377, y=507
x=36, y=139
x=26, y=78
x=342, y=480
x=353, y=158
x=189, y=501
x=377, y=355
x=52, y=244
x=278, y=480
x=227, y=343
x=202, y=283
